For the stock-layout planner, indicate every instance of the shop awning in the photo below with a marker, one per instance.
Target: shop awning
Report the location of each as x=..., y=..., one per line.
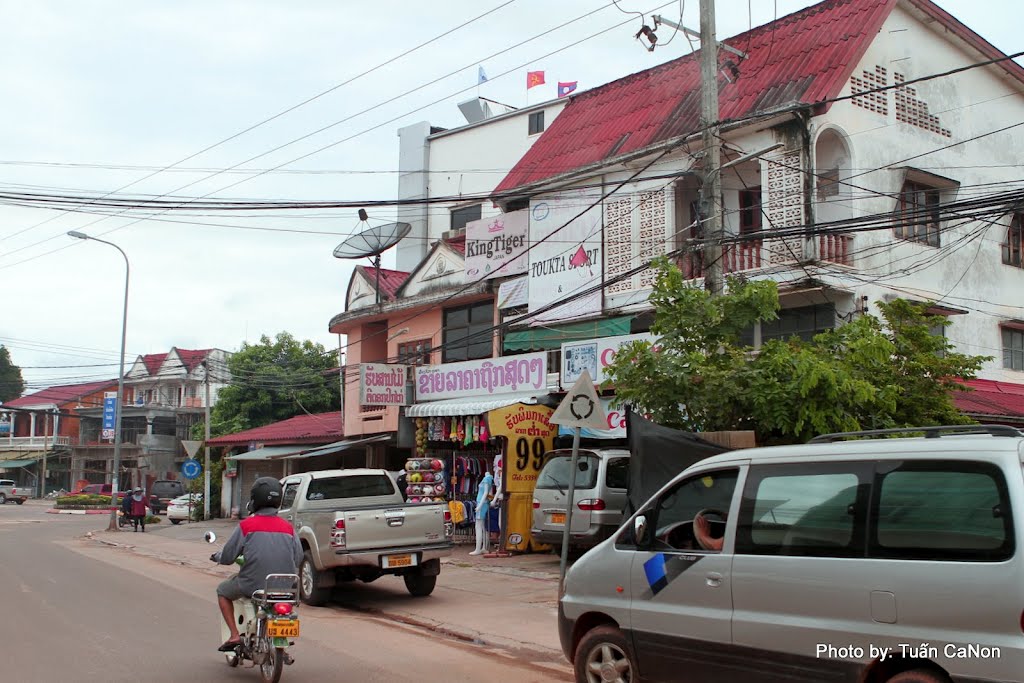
x=267, y=452
x=11, y=464
x=339, y=446
x=468, y=406
x=552, y=337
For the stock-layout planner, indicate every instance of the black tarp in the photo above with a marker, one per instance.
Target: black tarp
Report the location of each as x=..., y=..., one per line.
x=657, y=455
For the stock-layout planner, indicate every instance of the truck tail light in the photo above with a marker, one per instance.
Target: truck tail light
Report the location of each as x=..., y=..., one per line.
x=536, y=504
x=591, y=504
x=447, y=516
x=338, y=539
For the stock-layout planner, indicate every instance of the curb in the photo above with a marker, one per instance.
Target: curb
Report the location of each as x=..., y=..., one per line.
x=78, y=512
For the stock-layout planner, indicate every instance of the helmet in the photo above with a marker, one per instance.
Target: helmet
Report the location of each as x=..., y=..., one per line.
x=265, y=493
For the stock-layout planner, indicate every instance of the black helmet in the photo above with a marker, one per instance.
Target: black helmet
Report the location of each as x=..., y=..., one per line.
x=265, y=493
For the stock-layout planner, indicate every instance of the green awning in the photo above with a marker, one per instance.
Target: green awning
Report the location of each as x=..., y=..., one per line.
x=543, y=338
x=7, y=464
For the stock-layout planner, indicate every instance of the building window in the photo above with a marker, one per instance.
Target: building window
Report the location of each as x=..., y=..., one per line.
x=1013, y=349
x=1014, y=238
x=464, y=215
x=917, y=214
x=468, y=332
x=750, y=211
x=536, y=122
x=804, y=322
x=414, y=352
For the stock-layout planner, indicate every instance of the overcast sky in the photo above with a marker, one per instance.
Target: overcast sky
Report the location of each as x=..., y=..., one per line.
x=141, y=85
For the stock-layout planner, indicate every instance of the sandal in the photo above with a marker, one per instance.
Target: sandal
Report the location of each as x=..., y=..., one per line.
x=229, y=646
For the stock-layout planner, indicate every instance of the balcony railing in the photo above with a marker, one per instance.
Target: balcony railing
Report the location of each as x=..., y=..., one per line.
x=735, y=258
x=33, y=443
x=836, y=248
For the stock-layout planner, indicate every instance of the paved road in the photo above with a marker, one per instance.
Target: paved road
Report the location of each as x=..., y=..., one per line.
x=74, y=610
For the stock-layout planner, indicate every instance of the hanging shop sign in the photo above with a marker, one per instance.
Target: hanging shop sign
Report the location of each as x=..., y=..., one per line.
x=593, y=356
x=495, y=246
x=513, y=293
x=565, y=255
x=382, y=385
x=486, y=377
x=529, y=435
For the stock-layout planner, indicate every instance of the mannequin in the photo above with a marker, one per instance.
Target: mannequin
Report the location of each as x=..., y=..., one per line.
x=483, y=498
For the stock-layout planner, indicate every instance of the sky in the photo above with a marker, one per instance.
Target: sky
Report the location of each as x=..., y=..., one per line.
x=157, y=98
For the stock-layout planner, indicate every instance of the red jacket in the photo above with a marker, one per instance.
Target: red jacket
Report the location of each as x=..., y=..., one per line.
x=138, y=507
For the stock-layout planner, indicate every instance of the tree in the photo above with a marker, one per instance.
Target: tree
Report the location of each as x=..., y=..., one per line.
x=273, y=381
x=11, y=383
x=701, y=376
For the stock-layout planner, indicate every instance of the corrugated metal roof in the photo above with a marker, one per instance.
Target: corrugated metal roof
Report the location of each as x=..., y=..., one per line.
x=468, y=406
x=803, y=58
x=153, y=361
x=991, y=398
x=267, y=452
x=60, y=395
x=301, y=429
x=390, y=280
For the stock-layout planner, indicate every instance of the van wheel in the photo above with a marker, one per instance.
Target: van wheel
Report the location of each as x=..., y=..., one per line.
x=3, y=499
x=311, y=593
x=420, y=586
x=20, y=501
x=604, y=656
x=919, y=676
x=175, y=521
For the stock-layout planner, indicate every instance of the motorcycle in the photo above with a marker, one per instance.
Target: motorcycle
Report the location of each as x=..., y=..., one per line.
x=267, y=623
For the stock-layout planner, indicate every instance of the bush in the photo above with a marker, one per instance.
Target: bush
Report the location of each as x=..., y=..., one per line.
x=152, y=519
x=84, y=499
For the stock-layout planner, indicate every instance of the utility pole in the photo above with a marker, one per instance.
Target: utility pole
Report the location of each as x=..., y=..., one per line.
x=711, y=188
x=46, y=429
x=206, y=464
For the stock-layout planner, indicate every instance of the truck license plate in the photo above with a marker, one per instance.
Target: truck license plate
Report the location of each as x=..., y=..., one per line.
x=283, y=628
x=558, y=518
x=394, y=561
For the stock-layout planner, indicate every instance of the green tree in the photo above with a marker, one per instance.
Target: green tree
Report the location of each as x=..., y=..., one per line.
x=11, y=383
x=700, y=376
x=272, y=381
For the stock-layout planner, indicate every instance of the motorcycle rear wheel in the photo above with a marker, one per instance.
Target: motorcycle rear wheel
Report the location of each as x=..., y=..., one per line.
x=273, y=661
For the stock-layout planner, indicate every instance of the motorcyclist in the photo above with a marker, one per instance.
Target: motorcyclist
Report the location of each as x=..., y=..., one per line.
x=269, y=545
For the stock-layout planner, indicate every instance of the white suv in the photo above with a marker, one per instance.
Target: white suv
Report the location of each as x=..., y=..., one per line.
x=880, y=560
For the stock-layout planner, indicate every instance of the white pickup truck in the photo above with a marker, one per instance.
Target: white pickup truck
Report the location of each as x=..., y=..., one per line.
x=10, y=492
x=354, y=524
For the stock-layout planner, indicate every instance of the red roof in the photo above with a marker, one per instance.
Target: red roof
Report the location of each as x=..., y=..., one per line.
x=458, y=244
x=192, y=358
x=804, y=58
x=989, y=397
x=390, y=280
x=319, y=428
x=66, y=393
x=153, y=361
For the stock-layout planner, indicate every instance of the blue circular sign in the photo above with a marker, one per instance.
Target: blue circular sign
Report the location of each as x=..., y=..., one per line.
x=191, y=468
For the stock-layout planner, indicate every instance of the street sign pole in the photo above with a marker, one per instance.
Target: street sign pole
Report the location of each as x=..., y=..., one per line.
x=569, y=507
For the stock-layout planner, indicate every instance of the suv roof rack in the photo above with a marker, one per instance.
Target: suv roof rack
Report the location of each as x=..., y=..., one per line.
x=929, y=432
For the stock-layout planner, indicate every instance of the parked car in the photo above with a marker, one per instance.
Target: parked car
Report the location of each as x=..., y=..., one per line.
x=891, y=560
x=94, y=490
x=163, y=491
x=9, y=491
x=180, y=508
x=602, y=478
x=354, y=524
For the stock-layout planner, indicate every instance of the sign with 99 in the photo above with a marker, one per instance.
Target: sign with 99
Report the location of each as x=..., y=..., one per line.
x=529, y=436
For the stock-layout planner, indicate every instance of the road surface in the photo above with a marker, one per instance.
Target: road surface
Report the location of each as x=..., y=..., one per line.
x=75, y=609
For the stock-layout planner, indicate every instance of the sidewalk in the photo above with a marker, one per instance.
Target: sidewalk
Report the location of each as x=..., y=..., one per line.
x=508, y=603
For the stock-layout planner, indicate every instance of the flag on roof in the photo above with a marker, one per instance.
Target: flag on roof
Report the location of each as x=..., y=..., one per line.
x=534, y=78
x=566, y=88
x=481, y=76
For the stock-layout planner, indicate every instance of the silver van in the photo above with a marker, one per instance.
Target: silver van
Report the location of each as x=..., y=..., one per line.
x=875, y=560
x=602, y=477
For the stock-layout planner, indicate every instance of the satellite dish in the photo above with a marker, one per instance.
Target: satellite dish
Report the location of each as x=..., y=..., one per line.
x=372, y=242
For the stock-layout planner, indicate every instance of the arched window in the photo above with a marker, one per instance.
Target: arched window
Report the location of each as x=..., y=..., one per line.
x=1014, y=238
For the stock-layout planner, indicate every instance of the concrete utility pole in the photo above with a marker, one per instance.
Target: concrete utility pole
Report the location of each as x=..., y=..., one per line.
x=711, y=189
x=206, y=465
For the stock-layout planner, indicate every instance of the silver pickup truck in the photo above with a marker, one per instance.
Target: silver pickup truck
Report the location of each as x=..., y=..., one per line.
x=354, y=524
x=10, y=492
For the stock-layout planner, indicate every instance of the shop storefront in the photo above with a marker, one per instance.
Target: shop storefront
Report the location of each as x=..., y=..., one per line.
x=477, y=418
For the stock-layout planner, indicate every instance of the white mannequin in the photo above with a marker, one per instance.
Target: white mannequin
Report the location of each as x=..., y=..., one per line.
x=482, y=512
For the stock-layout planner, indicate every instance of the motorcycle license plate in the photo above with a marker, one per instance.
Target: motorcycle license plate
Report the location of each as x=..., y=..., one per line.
x=558, y=518
x=394, y=561
x=283, y=628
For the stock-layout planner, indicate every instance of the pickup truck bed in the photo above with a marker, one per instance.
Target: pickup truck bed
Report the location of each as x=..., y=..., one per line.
x=354, y=524
x=11, y=493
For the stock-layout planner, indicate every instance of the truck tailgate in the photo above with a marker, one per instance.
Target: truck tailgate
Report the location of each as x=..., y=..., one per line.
x=391, y=527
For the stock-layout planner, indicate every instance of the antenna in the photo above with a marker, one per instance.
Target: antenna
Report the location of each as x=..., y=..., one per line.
x=372, y=242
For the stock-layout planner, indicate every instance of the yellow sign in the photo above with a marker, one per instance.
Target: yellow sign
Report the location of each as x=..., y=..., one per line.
x=528, y=434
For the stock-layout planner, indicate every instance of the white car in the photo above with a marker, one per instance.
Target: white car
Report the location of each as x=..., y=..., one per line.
x=178, y=509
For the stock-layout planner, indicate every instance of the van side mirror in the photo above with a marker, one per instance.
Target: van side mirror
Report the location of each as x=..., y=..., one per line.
x=640, y=530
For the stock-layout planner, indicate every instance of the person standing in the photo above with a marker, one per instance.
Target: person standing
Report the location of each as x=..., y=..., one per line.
x=138, y=509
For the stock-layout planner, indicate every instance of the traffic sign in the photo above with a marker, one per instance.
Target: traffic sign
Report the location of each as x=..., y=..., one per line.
x=191, y=447
x=191, y=468
x=581, y=406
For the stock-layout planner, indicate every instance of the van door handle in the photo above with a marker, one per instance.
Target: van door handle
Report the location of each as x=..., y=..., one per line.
x=713, y=579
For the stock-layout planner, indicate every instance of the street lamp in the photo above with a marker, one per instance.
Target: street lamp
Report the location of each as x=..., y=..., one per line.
x=120, y=381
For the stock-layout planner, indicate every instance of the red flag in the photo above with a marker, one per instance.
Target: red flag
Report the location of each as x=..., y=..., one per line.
x=534, y=78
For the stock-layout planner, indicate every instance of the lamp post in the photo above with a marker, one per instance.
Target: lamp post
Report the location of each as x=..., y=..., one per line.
x=120, y=382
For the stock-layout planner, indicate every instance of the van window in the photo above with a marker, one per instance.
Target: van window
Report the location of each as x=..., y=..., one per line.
x=357, y=486
x=617, y=476
x=801, y=510
x=674, y=511
x=555, y=474
x=942, y=511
